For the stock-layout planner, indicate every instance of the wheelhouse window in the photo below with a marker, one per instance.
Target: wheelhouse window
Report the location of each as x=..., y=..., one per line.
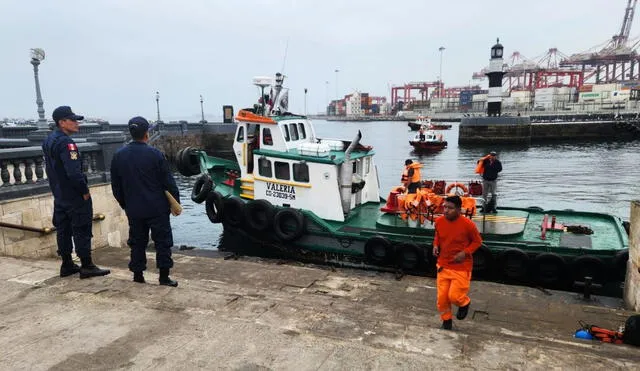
x=303, y=133
x=267, y=139
x=301, y=172
x=240, y=136
x=264, y=168
x=294, y=131
x=282, y=170
x=285, y=131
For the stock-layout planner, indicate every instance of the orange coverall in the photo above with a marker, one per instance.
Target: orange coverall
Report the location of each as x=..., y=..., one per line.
x=453, y=279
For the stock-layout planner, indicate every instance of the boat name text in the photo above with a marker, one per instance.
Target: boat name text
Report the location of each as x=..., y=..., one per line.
x=283, y=191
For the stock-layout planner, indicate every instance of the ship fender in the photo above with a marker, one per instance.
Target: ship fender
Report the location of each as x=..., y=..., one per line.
x=588, y=266
x=514, y=264
x=549, y=268
x=620, y=264
x=233, y=215
x=482, y=260
x=627, y=226
x=259, y=215
x=201, y=188
x=409, y=256
x=177, y=159
x=214, y=206
x=288, y=224
x=189, y=162
x=378, y=251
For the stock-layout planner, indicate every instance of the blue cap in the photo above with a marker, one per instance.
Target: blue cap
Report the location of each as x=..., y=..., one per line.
x=65, y=112
x=138, y=124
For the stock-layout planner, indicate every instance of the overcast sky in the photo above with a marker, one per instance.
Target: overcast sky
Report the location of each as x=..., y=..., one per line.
x=107, y=58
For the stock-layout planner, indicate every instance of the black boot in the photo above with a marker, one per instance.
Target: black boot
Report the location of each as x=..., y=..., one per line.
x=448, y=324
x=68, y=267
x=165, y=280
x=462, y=312
x=88, y=269
x=138, y=277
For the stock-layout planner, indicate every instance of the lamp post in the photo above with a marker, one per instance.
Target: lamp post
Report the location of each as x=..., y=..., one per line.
x=441, y=50
x=202, y=110
x=305, y=101
x=37, y=56
x=336, y=71
x=158, y=106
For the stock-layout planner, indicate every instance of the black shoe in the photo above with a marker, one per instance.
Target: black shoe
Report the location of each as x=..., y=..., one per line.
x=462, y=312
x=138, y=277
x=67, y=269
x=448, y=324
x=168, y=282
x=92, y=271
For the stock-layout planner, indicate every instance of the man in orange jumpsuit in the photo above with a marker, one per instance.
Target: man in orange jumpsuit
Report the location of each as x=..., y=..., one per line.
x=456, y=239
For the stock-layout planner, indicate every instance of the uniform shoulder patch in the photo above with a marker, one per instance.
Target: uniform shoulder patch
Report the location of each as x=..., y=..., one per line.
x=72, y=147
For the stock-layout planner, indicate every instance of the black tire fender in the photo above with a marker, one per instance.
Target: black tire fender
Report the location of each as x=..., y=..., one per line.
x=201, y=188
x=482, y=260
x=549, y=268
x=214, y=206
x=588, y=265
x=259, y=215
x=288, y=224
x=233, y=214
x=378, y=251
x=514, y=264
x=178, y=161
x=409, y=256
x=620, y=264
x=189, y=162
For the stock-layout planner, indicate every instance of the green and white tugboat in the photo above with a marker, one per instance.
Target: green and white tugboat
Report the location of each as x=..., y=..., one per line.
x=317, y=197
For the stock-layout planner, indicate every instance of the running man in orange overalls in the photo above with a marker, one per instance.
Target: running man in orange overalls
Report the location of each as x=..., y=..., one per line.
x=456, y=239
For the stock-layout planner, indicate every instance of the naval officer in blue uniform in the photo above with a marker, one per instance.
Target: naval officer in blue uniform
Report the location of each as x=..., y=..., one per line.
x=72, y=205
x=140, y=176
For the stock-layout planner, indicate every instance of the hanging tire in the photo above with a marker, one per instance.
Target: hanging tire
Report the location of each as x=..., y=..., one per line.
x=482, y=261
x=233, y=214
x=409, y=256
x=214, y=206
x=620, y=265
x=178, y=161
x=588, y=266
x=514, y=264
x=627, y=226
x=259, y=215
x=288, y=224
x=190, y=162
x=549, y=269
x=378, y=251
x=201, y=188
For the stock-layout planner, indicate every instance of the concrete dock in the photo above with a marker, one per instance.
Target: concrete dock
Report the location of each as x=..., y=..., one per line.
x=250, y=314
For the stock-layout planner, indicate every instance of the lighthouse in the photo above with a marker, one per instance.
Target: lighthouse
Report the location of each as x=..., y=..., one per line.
x=495, y=74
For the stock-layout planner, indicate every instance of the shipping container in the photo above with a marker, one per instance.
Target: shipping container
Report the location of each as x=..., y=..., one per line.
x=479, y=98
x=375, y=109
x=605, y=87
x=586, y=88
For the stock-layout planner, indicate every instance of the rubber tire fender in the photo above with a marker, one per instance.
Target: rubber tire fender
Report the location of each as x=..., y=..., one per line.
x=588, y=265
x=378, y=251
x=552, y=276
x=201, y=188
x=189, y=166
x=178, y=161
x=482, y=260
x=281, y=218
x=214, y=205
x=631, y=334
x=233, y=214
x=259, y=215
x=620, y=265
x=514, y=264
x=409, y=256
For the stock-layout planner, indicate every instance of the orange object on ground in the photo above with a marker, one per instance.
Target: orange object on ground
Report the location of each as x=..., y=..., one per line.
x=453, y=287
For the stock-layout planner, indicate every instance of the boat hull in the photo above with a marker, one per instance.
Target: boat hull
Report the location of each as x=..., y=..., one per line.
x=428, y=146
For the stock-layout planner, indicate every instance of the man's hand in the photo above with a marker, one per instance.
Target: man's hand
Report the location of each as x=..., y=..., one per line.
x=459, y=258
x=436, y=251
x=86, y=196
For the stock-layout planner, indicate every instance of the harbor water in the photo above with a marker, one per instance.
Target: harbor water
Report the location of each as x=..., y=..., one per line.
x=584, y=176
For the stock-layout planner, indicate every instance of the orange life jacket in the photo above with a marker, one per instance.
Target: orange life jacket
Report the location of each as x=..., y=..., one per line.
x=480, y=165
x=416, y=172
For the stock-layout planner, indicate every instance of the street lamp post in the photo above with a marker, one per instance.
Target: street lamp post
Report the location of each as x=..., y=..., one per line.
x=37, y=56
x=202, y=110
x=336, y=71
x=158, y=105
x=441, y=49
x=305, y=101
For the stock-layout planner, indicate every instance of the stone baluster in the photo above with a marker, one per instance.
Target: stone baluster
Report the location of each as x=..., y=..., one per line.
x=39, y=169
x=85, y=163
x=4, y=173
x=17, y=173
x=94, y=162
x=28, y=171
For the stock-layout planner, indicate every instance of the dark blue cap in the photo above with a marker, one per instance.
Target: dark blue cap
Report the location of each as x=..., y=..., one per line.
x=65, y=112
x=138, y=124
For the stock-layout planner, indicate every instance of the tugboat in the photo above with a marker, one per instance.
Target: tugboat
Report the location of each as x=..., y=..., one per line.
x=426, y=121
x=428, y=141
x=319, y=198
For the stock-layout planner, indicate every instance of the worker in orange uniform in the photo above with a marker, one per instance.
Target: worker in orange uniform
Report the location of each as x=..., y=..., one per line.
x=456, y=239
x=411, y=176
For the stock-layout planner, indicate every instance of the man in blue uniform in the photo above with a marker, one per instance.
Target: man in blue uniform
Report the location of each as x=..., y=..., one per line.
x=140, y=176
x=72, y=205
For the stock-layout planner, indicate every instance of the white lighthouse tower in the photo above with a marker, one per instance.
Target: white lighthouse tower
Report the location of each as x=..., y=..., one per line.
x=495, y=74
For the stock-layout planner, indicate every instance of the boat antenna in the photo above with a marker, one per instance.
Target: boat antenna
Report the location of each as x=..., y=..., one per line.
x=284, y=59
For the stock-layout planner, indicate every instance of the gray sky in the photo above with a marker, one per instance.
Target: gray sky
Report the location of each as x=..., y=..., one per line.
x=107, y=58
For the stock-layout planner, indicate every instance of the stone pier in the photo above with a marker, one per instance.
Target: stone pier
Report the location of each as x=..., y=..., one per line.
x=632, y=283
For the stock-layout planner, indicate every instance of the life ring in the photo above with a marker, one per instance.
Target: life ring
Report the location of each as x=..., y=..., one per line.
x=549, y=269
x=288, y=224
x=259, y=215
x=378, y=251
x=514, y=264
x=462, y=187
x=409, y=256
x=233, y=214
x=620, y=264
x=588, y=266
x=201, y=188
x=214, y=207
x=482, y=261
x=189, y=162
